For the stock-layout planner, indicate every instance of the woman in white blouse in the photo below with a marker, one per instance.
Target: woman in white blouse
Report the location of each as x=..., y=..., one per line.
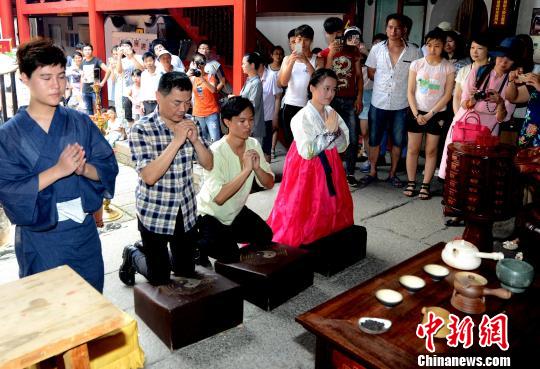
x=314, y=198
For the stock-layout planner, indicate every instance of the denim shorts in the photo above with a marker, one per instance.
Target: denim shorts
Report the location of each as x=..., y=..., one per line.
x=393, y=121
x=366, y=103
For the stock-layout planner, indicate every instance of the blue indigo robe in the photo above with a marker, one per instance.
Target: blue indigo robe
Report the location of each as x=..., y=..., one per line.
x=41, y=241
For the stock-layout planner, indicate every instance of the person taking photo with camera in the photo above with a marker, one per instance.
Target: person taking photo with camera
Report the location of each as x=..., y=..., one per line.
x=485, y=93
x=205, y=106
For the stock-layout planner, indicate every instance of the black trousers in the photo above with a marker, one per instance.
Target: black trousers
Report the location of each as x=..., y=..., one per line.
x=289, y=111
x=220, y=241
x=153, y=259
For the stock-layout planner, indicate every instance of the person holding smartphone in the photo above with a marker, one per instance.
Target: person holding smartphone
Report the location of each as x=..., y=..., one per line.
x=345, y=61
x=295, y=73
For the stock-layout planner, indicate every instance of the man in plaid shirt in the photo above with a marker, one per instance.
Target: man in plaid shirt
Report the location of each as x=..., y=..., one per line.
x=164, y=145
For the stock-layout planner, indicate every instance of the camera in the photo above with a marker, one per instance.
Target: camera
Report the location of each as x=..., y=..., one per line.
x=340, y=40
x=480, y=95
x=196, y=72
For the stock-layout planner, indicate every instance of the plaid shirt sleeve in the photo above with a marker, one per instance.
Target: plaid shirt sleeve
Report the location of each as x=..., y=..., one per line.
x=139, y=144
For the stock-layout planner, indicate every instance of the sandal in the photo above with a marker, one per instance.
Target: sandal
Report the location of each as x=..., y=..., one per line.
x=410, y=190
x=424, y=193
x=394, y=181
x=366, y=181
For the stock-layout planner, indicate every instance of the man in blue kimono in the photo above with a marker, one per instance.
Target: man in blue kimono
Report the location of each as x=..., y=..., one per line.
x=55, y=169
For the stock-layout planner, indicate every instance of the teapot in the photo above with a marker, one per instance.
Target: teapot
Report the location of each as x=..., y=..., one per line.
x=461, y=254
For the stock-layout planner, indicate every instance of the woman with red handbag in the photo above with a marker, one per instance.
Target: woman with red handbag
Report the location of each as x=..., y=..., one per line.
x=486, y=93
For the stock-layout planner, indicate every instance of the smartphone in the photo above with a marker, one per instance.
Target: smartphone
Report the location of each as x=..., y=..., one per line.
x=298, y=48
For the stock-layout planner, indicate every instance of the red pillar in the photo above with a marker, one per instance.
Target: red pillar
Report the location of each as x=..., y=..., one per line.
x=97, y=39
x=23, y=23
x=6, y=17
x=244, y=37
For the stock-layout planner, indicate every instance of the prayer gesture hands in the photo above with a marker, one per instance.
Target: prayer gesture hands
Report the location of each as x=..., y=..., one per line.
x=251, y=160
x=71, y=160
x=186, y=130
x=331, y=121
x=247, y=160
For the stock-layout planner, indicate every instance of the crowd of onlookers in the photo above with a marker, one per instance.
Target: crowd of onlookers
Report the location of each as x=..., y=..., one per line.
x=395, y=97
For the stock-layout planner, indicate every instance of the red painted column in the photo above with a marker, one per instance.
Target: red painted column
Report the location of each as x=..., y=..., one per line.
x=23, y=23
x=96, y=25
x=6, y=16
x=244, y=37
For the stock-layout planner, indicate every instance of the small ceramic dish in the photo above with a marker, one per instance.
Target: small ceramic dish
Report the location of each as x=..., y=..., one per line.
x=412, y=282
x=436, y=271
x=374, y=325
x=389, y=297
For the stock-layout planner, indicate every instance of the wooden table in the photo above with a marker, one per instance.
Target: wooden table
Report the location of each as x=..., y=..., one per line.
x=52, y=313
x=341, y=344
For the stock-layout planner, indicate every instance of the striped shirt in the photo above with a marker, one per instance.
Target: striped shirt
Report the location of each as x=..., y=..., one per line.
x=158, y=205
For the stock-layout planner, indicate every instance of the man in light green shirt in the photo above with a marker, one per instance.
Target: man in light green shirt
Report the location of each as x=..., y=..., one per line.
x=224, y=220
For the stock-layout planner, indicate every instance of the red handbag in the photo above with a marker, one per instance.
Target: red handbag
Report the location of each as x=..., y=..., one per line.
x=468, y=129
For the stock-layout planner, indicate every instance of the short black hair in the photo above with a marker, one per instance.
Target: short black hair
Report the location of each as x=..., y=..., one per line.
x=171, y=80
x=79, y=46
x=114, y=48
x=205, y=42
x=157, y=41
x=318, y=76
x=112, y=108
x=402, y=19
x=39, y=52
x=435, y=34
x=88, y=45
x=76, y=53
x=276, y=47
x=254, y=58
x=333, y=24
x=291, y=33
x=234, y=106
x=125, y=42
x=304, y=31
x=149, y=54
x=136, y=72
x=198, y=56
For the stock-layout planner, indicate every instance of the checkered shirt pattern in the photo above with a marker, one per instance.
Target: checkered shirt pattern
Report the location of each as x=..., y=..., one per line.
x=157, y=205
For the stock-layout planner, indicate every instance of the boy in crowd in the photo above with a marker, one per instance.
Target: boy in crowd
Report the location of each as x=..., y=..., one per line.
x=345, y=61
x=149, y=83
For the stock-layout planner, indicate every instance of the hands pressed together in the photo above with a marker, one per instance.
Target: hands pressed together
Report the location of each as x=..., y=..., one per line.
x=251, y=160
x=331, y=122
x=72, y=160
x=186, y=130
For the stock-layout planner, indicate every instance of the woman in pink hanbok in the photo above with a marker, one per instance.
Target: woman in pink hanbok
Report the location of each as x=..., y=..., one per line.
x=314, y=199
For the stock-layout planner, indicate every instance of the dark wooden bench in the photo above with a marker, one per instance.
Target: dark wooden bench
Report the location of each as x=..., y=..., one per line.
x=190, y=309
x=337, y=251
x=270, y=277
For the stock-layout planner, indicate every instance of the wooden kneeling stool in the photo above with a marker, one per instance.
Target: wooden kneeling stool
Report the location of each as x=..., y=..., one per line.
x=339, y=250
x=190, y=309
x=270, y=277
